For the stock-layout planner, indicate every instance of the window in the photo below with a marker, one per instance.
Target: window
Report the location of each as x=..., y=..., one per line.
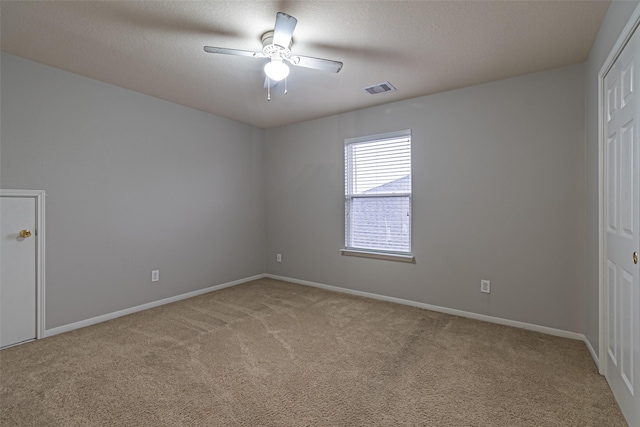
x=378, y=196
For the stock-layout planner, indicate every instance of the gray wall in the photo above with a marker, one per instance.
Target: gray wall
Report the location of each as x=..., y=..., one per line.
x=499, y=194
x=133, y=184
x=617, y=17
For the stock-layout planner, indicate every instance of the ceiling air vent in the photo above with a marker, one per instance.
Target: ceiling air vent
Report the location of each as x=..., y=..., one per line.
x=380, y=88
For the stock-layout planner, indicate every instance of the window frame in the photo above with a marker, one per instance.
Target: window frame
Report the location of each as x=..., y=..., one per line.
x=349, y=197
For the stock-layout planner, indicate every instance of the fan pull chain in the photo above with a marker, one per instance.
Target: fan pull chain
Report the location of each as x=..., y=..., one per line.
x=268, y=89
x=285, y=86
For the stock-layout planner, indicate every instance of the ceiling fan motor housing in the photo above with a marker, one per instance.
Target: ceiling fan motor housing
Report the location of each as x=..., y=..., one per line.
x=271, y=50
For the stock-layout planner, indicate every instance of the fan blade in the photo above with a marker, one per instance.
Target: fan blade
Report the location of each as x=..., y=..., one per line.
x=283, y=31
x=236, y=52
x=316, y=63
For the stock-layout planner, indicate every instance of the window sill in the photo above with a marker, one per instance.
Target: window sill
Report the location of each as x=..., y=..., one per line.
x=379, y=255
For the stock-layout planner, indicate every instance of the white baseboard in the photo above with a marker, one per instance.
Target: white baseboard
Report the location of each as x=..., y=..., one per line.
x=116, y=314
x=476, y=316
x=461, y=313
x=593, y=353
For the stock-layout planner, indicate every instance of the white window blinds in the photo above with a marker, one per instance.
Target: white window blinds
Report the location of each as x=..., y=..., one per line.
x=378, y=193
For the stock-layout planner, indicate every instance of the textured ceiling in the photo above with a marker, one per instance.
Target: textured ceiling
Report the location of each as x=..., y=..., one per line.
x=421, y=47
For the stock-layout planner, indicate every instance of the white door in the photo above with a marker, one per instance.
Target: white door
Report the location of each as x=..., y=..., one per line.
x=18, y=264
x=622, y=224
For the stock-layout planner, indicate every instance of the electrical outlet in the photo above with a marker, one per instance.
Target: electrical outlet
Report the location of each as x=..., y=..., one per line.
x=155, y=275
x=279, y=258
x=485, y=286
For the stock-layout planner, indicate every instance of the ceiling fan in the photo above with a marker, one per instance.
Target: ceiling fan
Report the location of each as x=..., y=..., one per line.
x=276, y=46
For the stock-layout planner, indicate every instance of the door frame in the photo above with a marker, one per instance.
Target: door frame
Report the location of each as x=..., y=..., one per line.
x=632, y=24
x=39, y=196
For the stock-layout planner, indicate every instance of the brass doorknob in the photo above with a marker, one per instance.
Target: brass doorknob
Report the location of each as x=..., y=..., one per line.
x=635, y=257
x=25, y=233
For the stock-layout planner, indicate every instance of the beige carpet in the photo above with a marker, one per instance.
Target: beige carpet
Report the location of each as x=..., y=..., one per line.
x=270, y=353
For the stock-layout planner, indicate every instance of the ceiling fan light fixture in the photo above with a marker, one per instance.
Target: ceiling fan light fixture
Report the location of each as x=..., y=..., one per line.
x=276, y=46
x=276, y=70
